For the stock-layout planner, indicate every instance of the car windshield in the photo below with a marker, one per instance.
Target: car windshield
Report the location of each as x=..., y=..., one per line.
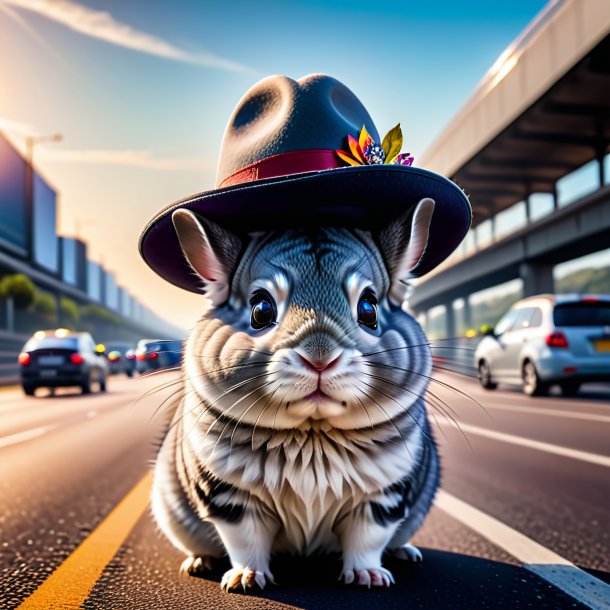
x=164, y=346
x=171, y=346
x=506, y=322
x=51, y=343
x=582, y=313
x=117, y=347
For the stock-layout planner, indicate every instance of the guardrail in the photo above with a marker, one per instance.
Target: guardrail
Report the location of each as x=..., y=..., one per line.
x=10, y=344
x=455, y=354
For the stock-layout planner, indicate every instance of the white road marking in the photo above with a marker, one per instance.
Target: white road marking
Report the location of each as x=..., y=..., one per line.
x=585, y=456
x=536, y=558
x=20, y=437
x=553, y=412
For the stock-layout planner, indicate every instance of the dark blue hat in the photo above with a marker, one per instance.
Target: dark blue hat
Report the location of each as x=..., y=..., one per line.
x=279, y=168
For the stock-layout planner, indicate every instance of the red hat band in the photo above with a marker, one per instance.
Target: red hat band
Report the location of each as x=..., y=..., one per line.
x=284, y=164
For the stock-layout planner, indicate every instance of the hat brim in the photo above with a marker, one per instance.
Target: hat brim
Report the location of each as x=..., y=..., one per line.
x=363, y=197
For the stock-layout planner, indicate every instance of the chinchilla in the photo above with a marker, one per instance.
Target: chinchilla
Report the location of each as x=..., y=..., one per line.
x=302, y=428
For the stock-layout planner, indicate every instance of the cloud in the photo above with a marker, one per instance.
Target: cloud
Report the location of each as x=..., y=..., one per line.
x=101, y=25
x=130, y=158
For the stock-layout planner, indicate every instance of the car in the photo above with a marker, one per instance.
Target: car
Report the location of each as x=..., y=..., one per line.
x=156, y=354
x=121, y=358
x=546, y=340
x=139, y=351
x=56, y=358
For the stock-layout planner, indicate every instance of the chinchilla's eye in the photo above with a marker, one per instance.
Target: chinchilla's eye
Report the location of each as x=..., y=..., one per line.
x=263, y=310
x=367, y=309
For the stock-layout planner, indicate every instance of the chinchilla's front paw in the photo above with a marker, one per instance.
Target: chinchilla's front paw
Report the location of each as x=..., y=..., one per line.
x=368, y=577
x=408, y=552
x=245, y=578
x=195, y=565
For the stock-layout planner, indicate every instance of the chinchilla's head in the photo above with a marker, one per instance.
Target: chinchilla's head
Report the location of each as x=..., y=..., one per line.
x=306, y=325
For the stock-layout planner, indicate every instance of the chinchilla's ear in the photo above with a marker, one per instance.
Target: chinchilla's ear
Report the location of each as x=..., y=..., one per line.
x=403, y=243
x=211, y=251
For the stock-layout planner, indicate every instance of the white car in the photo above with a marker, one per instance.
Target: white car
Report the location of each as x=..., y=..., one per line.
x=546, y=340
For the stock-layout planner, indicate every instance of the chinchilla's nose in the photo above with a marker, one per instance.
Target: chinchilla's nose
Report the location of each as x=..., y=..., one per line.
x=319, y=355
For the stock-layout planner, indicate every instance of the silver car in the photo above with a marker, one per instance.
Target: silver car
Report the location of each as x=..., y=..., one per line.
x=546, y=340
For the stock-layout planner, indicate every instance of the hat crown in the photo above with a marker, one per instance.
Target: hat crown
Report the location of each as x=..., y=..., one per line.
x=280, y=115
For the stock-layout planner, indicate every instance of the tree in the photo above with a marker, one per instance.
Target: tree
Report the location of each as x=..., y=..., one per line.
x=95, y=313
x=44, y=304
x=69, y=311
x=19, y=288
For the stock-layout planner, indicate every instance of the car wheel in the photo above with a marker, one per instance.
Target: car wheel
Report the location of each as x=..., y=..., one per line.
x=570, y=388
x=29, y=390
x=86, y=387
x=485, y=376
x=532, y=386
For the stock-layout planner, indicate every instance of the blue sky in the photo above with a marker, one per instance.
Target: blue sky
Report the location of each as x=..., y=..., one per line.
x=143, y=127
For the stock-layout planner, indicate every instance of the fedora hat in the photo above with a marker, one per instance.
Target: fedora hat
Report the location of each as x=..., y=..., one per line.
x=306, y=153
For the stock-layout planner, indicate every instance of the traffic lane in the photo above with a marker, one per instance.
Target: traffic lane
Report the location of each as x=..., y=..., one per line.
x=57, y=412
x=69, y=404
x=495, y=578
x=594, y=396
x=560, y=502
x=460, y=570
x=55, y=489
x=554, y=420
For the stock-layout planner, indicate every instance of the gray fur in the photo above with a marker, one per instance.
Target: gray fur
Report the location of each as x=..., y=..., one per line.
x=250, y=467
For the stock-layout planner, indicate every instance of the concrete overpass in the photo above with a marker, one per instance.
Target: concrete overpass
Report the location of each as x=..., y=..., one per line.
x=541, y=113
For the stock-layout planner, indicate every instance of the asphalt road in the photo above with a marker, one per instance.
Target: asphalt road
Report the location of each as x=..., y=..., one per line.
x=523, y=519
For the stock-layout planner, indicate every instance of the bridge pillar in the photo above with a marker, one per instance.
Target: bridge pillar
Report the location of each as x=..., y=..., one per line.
x=467, y=313
x=537, y=278
x=449, y=320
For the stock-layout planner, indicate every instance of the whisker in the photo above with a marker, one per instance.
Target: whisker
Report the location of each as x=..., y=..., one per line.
x=390, y=420
x=265, y=406
x=220, y=436
x=365, y=410
x=413, y=346
x=181, y=379
x=405, y=388
x=433, y=379
x=279, y=405
x=241, y=419
x=219, y=397
x=446, y=414
x=449, y=370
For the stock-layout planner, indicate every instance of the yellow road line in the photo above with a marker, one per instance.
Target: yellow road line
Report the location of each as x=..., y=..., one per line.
x=69, y=586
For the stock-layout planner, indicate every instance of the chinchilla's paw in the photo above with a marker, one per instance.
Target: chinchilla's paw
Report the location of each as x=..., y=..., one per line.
x=245, y=578
x=369, y=577
x=192, y=566
x=408, y=552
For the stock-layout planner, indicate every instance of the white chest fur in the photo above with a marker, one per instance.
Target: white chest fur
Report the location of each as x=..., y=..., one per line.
x=309, y=479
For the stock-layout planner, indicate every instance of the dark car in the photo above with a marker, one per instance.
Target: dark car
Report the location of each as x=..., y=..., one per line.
x=56, y=358
x=121, y=358
x=158, y=354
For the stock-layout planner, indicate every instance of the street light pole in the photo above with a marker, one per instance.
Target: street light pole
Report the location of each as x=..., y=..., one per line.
x=31, y=141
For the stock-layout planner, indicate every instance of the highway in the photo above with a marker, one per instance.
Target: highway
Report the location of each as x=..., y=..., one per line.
x=522, y=520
